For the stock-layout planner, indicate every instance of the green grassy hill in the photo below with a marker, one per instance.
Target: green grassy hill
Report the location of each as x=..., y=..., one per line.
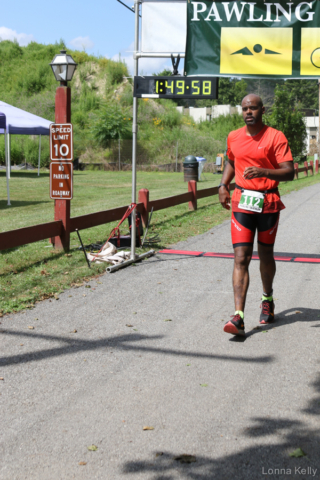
x=101, y=108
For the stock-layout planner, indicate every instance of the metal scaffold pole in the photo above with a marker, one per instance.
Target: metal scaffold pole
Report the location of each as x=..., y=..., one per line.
x=133, y=256
x=134, y=131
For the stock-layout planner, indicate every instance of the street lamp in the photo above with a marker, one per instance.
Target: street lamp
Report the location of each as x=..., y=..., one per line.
x=63, y=67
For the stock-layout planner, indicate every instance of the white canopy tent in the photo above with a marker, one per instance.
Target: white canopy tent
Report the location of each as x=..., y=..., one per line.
x=15, y=121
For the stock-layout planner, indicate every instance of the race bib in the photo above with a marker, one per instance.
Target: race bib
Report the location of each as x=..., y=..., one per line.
x=251, y=200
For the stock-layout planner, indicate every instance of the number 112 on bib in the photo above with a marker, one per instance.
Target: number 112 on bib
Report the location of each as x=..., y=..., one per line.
x=252, y=201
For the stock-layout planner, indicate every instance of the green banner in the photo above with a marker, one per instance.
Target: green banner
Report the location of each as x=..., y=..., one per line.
x=246, y=39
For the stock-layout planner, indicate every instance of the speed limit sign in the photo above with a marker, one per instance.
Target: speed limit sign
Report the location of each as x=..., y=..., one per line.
x=61, y=141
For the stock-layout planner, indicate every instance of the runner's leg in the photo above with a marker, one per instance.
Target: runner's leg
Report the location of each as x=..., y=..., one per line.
x=243, y=226
x=267, y=231
x=242, y=258
x=267, y=267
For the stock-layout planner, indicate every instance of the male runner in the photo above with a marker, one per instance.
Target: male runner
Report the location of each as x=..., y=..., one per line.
x=259, y=158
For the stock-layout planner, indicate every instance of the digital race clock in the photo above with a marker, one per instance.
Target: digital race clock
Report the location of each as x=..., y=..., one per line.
x=175, y=87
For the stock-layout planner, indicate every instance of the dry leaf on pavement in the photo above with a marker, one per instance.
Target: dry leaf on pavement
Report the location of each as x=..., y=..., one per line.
x=297, y=453
x=93, y=448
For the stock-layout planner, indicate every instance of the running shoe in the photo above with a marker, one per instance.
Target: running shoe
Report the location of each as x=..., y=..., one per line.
x=267, y=311
x=235, y=326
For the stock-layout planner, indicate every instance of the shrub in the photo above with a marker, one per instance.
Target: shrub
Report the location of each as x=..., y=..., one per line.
x=80, y=118
x=126, y=98
x=111, y=123
x=116, y=71
x=221, y=126
x=89, y=100
x=171, y=118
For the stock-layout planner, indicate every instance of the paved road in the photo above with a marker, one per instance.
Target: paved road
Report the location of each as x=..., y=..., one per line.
x=239, y=406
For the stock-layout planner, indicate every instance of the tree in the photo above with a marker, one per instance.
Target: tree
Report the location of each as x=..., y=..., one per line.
x=264, y=87
x=288, y=118
x=304, y=93
x=231, y=91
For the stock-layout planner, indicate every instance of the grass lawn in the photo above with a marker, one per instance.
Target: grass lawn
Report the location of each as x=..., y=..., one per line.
x=34, y=272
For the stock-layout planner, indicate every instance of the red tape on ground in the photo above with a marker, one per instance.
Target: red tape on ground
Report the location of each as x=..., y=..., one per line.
x=181, y=252
x=279, y=258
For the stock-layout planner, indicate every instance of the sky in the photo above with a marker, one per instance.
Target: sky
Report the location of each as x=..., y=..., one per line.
x=104, y=28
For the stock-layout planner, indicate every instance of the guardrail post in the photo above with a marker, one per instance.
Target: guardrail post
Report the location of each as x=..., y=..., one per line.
x=296, y=171
x=144, y=198
x=316, y=166
x=192, y=187
x=305, y=169
x=311, y=165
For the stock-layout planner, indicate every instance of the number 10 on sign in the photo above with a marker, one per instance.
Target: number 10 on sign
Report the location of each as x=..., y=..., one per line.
x=61, y=141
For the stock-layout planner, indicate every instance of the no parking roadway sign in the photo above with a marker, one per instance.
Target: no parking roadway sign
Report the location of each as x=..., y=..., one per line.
x=61, y=180
x=61, y=141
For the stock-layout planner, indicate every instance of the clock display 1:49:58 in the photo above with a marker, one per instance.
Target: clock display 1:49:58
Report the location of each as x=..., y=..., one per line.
x=181, y=87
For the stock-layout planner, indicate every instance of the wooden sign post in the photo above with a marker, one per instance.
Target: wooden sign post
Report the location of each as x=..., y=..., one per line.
x=62, y=206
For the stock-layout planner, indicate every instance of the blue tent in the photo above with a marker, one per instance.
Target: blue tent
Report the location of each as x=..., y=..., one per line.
x=20, y=122
x=2, y=121
x=15, y=121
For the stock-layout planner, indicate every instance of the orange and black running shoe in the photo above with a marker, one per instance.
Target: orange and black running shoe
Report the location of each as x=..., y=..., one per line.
x=235, y=326
x=267, y=311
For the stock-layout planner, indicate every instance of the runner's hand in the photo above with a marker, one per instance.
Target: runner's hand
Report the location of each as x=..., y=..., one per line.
x=253, y=172
x=224, y=198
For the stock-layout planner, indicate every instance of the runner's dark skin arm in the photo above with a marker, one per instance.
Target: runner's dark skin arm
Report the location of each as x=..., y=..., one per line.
x=227, y=177
x=283, y=174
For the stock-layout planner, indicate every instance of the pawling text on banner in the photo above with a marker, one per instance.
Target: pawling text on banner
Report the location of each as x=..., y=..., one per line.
x=253, y=39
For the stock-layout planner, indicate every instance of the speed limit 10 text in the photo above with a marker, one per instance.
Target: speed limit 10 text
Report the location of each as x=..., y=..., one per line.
x=61, y=142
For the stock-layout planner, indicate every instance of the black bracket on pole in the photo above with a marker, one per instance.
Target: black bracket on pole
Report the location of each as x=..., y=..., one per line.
x=175, y=64
x=131, y=9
